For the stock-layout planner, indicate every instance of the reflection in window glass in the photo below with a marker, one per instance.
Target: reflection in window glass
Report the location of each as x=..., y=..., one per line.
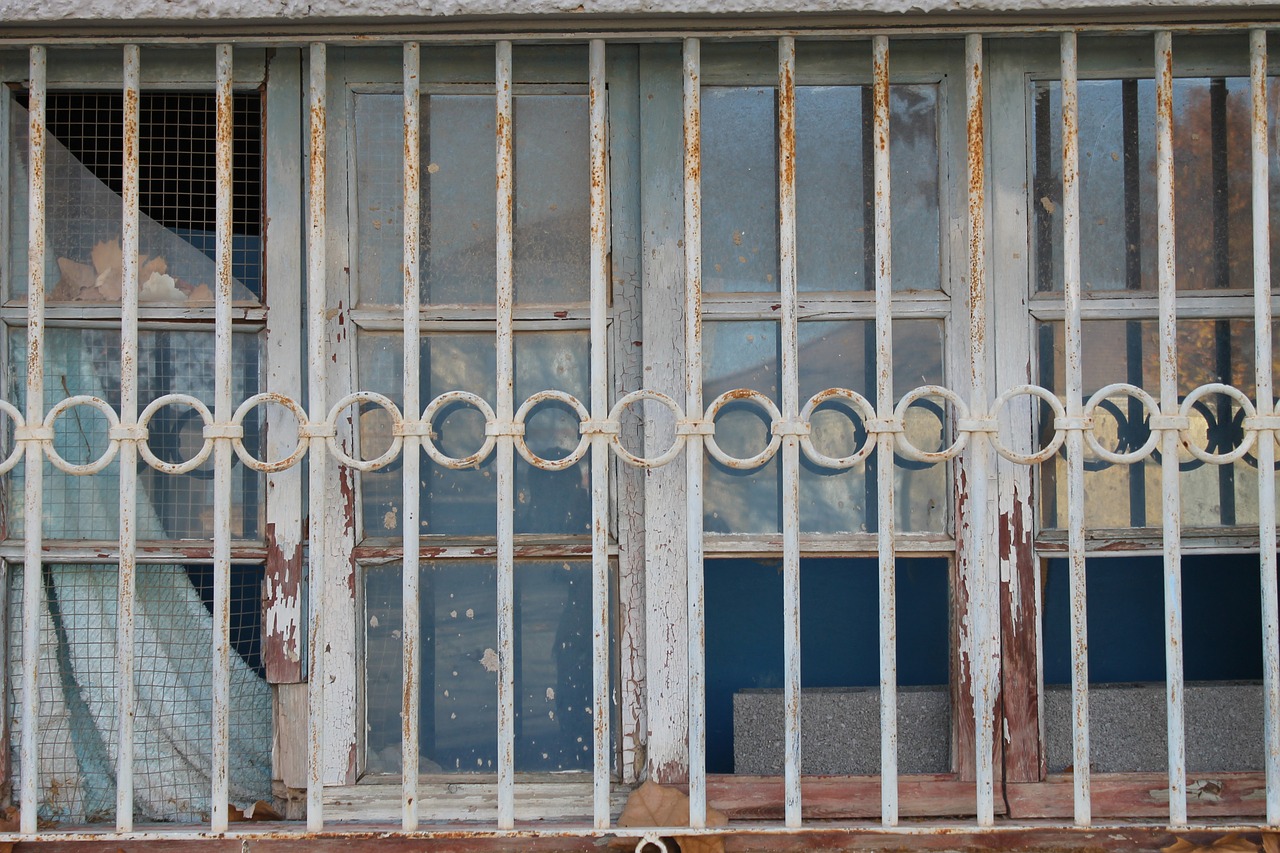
x=459, y=208
x=1129, y=495
x=831, y=354
x=835, y=233
x=461, y=502
x=1212, y=184
x=459, y=716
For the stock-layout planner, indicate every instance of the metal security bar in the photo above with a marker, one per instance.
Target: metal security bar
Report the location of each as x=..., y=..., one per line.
x=971, y=446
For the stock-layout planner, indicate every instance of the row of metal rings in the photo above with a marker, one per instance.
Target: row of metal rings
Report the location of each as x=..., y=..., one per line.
x=780, y=428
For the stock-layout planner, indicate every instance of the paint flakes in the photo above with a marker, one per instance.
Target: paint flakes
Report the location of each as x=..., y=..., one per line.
x=490, y=660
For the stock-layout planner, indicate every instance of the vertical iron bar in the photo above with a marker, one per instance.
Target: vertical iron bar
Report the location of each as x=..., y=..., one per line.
x=790, y=417
x=1266, y=407
x=33, y=484
x=1075, y=437
x=598, y=105
x=128, y=449
x=412, y=406
x=505, y=443
x=697, y=663
x=1169, y=440
x=318, y=485
x=884, y=440
x=983, y=652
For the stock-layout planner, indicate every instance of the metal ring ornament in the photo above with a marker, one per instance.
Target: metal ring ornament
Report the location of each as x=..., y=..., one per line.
x=909, y=450
x=651, y=839
x=742, y=395
x=1047, y=452
x=429, y=442
x=385, y=458
x=615, y=441
x=861, y=405
x=278, y=465
x=189, y=465
x=1148, y=402
x=113, y=447
x=1246, y=444
x=565, y=461
x=18, y=421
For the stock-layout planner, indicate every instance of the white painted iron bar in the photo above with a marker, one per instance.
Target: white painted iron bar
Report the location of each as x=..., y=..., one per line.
x=984, y=643
x=601, y=763
x=33, y=483
x=697, y=663
x=412, y=407
x=885, y=545
x=318, y=479
x=1266, y=448
x=1075, y=437
x=1169, y=408
x=505, y=466
x=126, y=589
x=790, y=418
x=223, y=410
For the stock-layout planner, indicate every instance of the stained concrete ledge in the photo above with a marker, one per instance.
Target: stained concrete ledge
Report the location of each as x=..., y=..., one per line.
x=1127, y=727
x=840, y=730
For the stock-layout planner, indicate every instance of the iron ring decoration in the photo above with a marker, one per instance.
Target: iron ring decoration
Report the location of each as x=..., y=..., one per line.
x=1248, y=438
x=113, y=447
x=915, y=454
x=392, y=451
x=565, y=461
x=19, y=422
x=651, y=839
x=861, y=406
x=615, y=441
x=278, y=465
x=186, y=466
x=1059, y=435
x=743, y=395
x=1090, y=437
x=429, y=442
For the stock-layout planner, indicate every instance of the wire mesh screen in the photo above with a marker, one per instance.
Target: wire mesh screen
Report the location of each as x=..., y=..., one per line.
x=173, y=678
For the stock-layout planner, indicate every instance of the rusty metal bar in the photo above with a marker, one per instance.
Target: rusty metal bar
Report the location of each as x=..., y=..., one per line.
x=790, y=424
x=317, y=414
x=1169, y=423
x=1075, y=425
x=1266, y=451
x=598, y=108
x=412, y=406
x=984, y=646
x=697, y=663
x=223, y=410
x=128, y=449
x=885, y=545
x=505, y=467
x=33, y=482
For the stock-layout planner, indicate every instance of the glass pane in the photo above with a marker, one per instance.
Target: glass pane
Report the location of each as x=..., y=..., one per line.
x=177, y=219
x=1222, y=663
x=459, y=207
x=174, y=678
x=1129, y=495
x=169, y=506
x=831, y=354
x=839, y=640
x=459, y=721
x=1118, y=221
x=462, y=501
x=835, y=232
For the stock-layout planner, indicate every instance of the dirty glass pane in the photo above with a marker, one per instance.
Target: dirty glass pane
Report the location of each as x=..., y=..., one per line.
x=1118, y=221
x=169, y=506
x=462, y=501
x=459, y=717
x=176, y=186
x=1129, y=495
x=831, y=354
x=458, y=201
x=835, y=234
